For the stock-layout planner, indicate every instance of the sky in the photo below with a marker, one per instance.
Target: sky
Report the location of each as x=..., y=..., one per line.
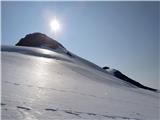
x=120, y=35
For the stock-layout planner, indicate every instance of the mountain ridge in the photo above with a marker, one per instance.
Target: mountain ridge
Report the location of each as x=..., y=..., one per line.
x=41, y=40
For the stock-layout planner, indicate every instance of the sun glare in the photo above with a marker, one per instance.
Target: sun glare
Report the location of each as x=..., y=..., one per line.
x=55, y=25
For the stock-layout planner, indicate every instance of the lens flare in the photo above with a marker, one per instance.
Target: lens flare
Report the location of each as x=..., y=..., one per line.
x=55, y=25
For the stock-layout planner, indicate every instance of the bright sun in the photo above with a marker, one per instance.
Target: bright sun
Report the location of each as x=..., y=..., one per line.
x=54, y=24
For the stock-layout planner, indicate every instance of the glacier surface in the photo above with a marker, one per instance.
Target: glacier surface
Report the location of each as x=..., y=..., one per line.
x=40, y=84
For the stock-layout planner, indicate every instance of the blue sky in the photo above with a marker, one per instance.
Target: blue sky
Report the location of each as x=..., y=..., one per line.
x=121, y=35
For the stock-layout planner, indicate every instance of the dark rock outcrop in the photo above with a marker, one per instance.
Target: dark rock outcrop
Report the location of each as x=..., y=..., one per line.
x=39, y=40
x=121, y=76
x=105, y=67
x=42, y=41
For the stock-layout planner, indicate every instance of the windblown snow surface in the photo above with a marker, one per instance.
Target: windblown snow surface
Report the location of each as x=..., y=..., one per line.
x=39, y=84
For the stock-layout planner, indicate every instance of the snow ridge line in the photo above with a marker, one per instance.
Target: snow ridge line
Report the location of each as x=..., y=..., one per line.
x=36, y=54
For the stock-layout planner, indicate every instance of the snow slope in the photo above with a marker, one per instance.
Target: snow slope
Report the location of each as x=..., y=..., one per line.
x=40, y=84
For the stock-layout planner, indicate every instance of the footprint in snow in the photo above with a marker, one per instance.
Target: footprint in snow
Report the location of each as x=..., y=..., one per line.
x=2, y=104
x=24, y=108
x=70, y=112
x=91, y=113
x=16, y=84
x=50, y=109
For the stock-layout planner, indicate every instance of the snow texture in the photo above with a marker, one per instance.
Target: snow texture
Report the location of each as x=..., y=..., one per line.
x=39, y=84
